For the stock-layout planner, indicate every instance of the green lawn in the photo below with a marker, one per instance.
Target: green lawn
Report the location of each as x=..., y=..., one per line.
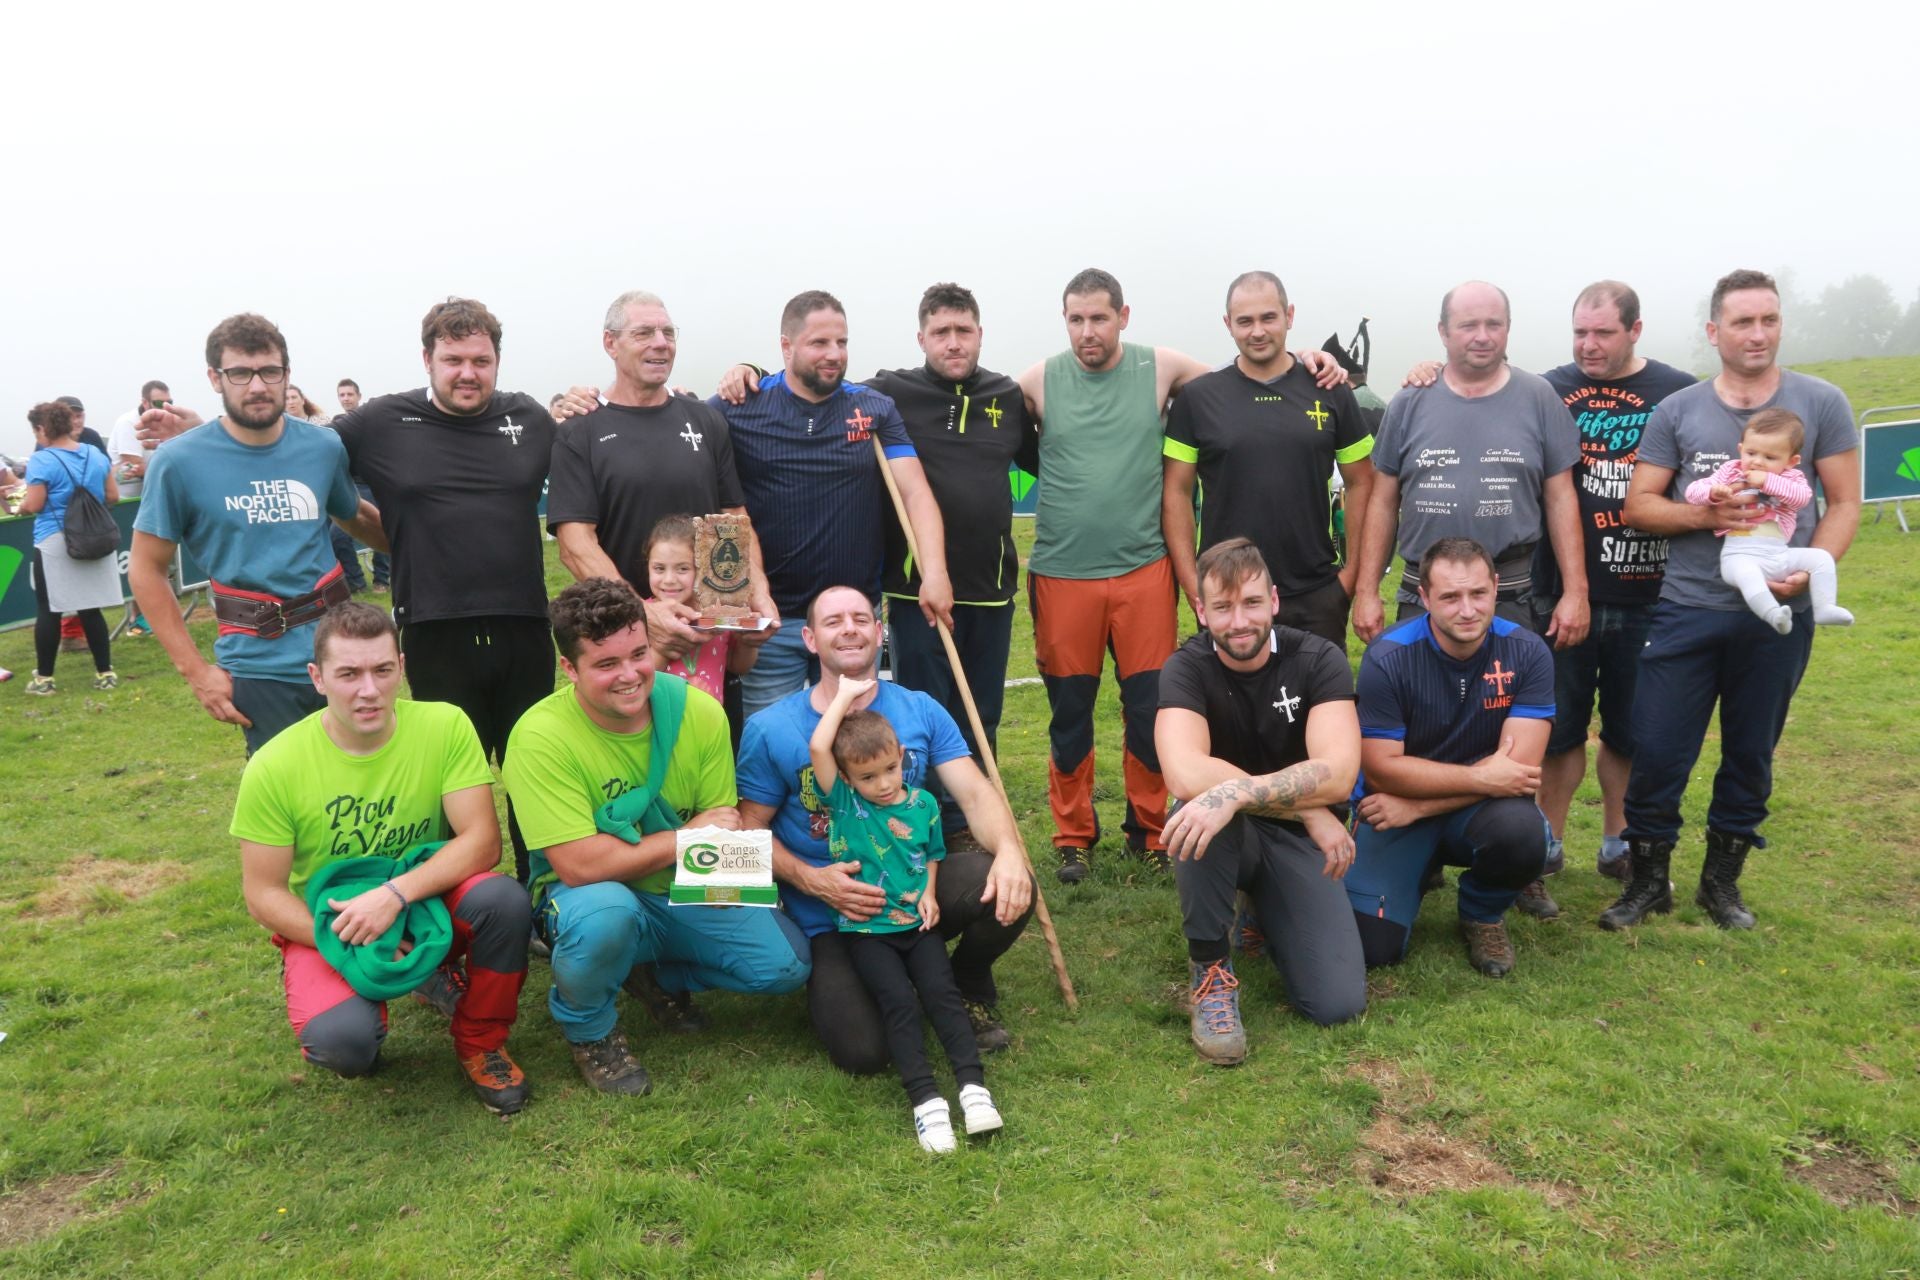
x=1675, y=1101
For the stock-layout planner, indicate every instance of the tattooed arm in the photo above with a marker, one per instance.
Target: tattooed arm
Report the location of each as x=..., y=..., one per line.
x=1324, y=778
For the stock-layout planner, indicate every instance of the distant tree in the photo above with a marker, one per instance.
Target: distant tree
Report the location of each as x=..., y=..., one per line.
x=1855, y=318
x=1905, y=338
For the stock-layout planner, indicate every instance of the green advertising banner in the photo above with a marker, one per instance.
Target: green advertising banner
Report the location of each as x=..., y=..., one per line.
x=1890, y=461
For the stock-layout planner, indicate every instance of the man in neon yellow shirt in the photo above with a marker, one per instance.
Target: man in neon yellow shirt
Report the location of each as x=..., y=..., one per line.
x=369, y=775
x=600, y=901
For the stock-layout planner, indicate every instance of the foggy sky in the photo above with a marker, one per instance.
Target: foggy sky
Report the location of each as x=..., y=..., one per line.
x=341, y=168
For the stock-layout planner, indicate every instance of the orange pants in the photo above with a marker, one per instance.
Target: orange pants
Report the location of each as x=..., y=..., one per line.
x=1076, y=622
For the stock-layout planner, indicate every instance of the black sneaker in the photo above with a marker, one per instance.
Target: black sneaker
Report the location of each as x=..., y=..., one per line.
x=497, y=1081
x=443, y=990
x=987, y=1031
x=1156, y=859
x=609, y=1066
x=674, y=1011
x=1074, y=862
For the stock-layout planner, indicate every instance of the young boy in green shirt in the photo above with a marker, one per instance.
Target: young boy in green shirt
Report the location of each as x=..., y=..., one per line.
x=893, y=832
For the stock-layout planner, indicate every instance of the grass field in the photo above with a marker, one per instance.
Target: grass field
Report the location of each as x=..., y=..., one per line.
x=1677, y=1101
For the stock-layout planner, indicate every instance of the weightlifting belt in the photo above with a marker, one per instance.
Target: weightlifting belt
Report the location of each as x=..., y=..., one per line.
x=255, y=613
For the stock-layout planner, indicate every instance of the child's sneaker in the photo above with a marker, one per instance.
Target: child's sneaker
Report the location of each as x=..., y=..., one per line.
x=105, y=680
x=40, y=686
x=978, y=1112
x=934, y=1126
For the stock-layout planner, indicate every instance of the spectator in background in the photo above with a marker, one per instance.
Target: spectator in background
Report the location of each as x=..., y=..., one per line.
x=298, y=406
x=129, y=456
x=58, y=468
x=345, y=549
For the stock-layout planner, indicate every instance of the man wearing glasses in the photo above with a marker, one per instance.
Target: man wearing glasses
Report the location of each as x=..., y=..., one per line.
x=249, y=496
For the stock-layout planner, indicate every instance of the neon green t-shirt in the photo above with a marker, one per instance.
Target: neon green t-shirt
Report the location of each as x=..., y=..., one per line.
x=302, y=790
x=893, y=845
x=561, y=767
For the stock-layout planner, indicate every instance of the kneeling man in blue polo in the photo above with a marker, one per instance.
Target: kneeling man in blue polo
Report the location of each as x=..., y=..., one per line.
x=602, y=774
x=1455, y=709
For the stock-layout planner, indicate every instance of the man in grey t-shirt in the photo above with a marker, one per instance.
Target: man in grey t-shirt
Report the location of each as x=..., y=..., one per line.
x=1703, y=639
x=1486, y=452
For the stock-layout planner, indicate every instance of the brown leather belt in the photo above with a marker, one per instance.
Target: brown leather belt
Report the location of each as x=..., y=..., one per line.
x=255, y=613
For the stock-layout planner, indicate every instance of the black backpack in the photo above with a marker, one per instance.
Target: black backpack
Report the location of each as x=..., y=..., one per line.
x=91, y=532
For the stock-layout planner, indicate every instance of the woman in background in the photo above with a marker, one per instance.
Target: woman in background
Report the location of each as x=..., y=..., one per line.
x=62, y=584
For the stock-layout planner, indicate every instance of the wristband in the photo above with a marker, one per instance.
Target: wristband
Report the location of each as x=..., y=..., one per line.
x=390, y=888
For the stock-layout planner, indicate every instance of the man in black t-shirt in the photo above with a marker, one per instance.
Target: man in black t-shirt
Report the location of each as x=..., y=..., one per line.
x=1263, y=441
x=1611, y=392
x=1258, y=739
x=457, y=470
x=646, y=454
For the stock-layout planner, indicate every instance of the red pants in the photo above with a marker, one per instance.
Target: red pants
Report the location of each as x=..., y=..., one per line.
x=1075, y=624
x=342, y=1030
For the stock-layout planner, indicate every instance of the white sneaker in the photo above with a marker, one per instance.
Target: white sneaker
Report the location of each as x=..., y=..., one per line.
x=978, y=1111
x=934, y=1126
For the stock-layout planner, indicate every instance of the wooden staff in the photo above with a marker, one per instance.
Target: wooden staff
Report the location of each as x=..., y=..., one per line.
x=986, y=748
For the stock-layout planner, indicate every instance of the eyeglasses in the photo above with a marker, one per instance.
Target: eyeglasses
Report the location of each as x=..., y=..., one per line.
x=645, y=332
x=273, y=375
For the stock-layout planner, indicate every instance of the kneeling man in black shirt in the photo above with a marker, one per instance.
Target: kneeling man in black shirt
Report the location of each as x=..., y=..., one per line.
x=1259, y=740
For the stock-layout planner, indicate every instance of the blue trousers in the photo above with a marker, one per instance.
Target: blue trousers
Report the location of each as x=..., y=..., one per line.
x=1693, y=659
x=599, y=932
x=982, y=635
x=1501, y=842
x=784, y=666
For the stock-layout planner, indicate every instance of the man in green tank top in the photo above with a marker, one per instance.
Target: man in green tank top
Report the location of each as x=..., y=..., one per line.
x=1099, y=580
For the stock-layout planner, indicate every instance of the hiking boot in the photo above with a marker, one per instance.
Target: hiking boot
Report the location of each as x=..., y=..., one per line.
x=442, y=991
x=1612, y=859
x=988, y=1034
x=933, y=1125
x=1248, y=938
x=1156, y=859
x=978, y=1115
x=1488, y=948
x=1648, y=890
x=674, y=1011
x=1535, y=901
x=1719, y=891
x=40, y=686
x=497, y=1081
x=609, y=1066
x=105, y=681
x=1074, y=860
x=1214, y=998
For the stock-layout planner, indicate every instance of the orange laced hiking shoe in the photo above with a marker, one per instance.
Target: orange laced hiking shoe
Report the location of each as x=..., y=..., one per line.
x=1215, y=1017
x=501, y=1087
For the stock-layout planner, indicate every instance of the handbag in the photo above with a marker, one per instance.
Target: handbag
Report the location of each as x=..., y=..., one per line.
x=91, y=532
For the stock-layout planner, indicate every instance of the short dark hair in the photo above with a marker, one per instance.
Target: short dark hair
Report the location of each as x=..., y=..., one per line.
x=793, y=316
x=351, y=621
x=676, y=528
x=1778, y=422
x=1250, y=277
x=814, y=604
x=1446, y=300
x=150, y=386
x=346, y=382
x=948, y=297
x=1094, y=280
x=591, y=610
x=1231, y=563
x=458, y=318
x=1622, y=296
x=863, y=736
x=1457, y=551
x=1734, y=281
x=246, y=333
x=55, y=420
